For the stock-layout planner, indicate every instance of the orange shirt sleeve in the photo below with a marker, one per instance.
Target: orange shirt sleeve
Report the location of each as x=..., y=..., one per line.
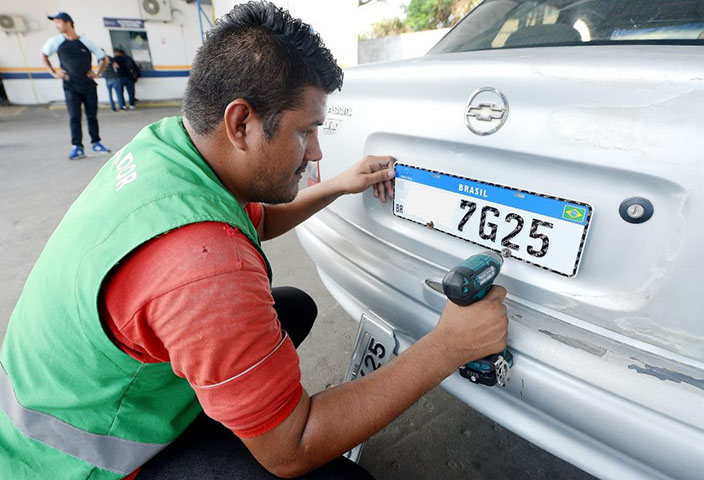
x=256, y=212
x=199, y=298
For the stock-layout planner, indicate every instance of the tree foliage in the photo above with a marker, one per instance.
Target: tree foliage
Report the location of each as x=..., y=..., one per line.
x=389, y=26
x=428, y=14
x=424, y=15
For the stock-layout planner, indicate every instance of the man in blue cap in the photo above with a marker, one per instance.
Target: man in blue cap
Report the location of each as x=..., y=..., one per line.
x=78, y=77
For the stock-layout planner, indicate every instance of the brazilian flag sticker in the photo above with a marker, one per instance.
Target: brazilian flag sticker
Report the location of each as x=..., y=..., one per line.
x=574, y=213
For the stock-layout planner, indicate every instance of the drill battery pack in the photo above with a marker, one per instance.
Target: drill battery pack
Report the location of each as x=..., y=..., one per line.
x=489, y=370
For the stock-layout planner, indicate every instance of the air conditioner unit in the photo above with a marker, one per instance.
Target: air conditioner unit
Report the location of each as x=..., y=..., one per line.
x=12, y=23
x=155, y=10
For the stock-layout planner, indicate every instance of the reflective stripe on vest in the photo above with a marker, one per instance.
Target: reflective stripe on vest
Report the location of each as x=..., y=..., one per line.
x=106, y=452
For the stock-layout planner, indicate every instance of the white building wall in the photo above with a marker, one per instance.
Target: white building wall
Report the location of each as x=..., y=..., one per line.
x=336, y=23
x=172, y=46
x=334, y=20
x=398, y=47
x=417, y=44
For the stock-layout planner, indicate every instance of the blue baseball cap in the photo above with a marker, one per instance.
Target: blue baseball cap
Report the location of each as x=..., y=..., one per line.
x=61, y=16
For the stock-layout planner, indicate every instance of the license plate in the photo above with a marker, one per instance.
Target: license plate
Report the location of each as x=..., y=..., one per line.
x=375, y=345
x=543, y=230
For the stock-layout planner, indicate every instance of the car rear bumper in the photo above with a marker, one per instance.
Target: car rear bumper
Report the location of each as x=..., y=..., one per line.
x=596, y=411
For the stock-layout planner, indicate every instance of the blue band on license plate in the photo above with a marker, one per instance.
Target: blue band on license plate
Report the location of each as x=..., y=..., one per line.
x=575, y=212
x=542, y=230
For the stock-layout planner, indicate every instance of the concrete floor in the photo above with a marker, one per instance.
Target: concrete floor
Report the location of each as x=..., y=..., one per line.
x=439, y=437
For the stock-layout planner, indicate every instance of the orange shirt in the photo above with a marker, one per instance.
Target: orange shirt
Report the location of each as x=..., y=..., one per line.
x=199, y=298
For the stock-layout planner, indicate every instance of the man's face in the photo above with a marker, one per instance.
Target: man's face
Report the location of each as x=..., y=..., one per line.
x=283, y=159
x=61, y=25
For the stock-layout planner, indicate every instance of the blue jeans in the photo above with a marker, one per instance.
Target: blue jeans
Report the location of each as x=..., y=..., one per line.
x=129, y=85
x=114, y=84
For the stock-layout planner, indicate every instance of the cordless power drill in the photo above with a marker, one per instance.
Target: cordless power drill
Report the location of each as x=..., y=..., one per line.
x=465, y=284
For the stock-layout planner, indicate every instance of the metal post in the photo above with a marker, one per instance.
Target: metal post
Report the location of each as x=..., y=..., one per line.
x=200, y=21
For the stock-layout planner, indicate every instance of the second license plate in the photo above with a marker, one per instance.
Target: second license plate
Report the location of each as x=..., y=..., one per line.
x=543, y=230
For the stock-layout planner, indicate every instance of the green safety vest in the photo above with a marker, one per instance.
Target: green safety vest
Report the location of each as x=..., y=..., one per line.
x=73, y=405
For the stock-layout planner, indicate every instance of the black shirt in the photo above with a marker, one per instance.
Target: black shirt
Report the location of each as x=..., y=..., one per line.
x=127, y=68
x=74, y=57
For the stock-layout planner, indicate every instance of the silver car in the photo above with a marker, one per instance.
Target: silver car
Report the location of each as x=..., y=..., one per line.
x=571, y=135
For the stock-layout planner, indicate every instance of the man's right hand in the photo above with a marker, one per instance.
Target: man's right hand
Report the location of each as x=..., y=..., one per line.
x=61, y=74
x=475, y=331
x=331, y=422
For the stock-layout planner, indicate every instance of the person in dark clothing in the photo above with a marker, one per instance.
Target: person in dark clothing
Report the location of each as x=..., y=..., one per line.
x=3, y=95
x=127, y=71
x=78, y=80
x=112, y=82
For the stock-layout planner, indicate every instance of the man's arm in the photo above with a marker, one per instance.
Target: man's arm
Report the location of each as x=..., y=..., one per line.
x=373, y=171
x=99, y=55
x=326, y=425
x=103, y=65
x=62, y=75
x=101, y=68
x=51, y=47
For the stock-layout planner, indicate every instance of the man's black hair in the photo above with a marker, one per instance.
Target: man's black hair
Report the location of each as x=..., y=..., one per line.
x=260, y=53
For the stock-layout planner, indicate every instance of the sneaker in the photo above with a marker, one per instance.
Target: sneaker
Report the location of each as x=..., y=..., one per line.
x=99, y=148
x=132, y=107
x=76, y=153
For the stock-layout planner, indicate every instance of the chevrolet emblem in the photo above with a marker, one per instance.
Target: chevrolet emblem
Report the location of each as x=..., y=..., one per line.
x=486, y=111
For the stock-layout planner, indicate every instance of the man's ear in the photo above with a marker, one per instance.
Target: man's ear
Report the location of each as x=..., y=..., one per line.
x=239, y=118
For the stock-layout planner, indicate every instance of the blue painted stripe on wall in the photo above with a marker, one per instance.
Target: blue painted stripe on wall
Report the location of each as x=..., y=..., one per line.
x=145, y=74
x=23, y=76
x=165, y=73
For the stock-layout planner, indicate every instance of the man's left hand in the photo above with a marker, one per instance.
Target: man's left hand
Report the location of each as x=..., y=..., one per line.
x=372, y=170
x=92, y=74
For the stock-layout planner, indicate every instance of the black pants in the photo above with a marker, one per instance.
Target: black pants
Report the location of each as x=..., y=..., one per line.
x=208, y=451
x=88, y=96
